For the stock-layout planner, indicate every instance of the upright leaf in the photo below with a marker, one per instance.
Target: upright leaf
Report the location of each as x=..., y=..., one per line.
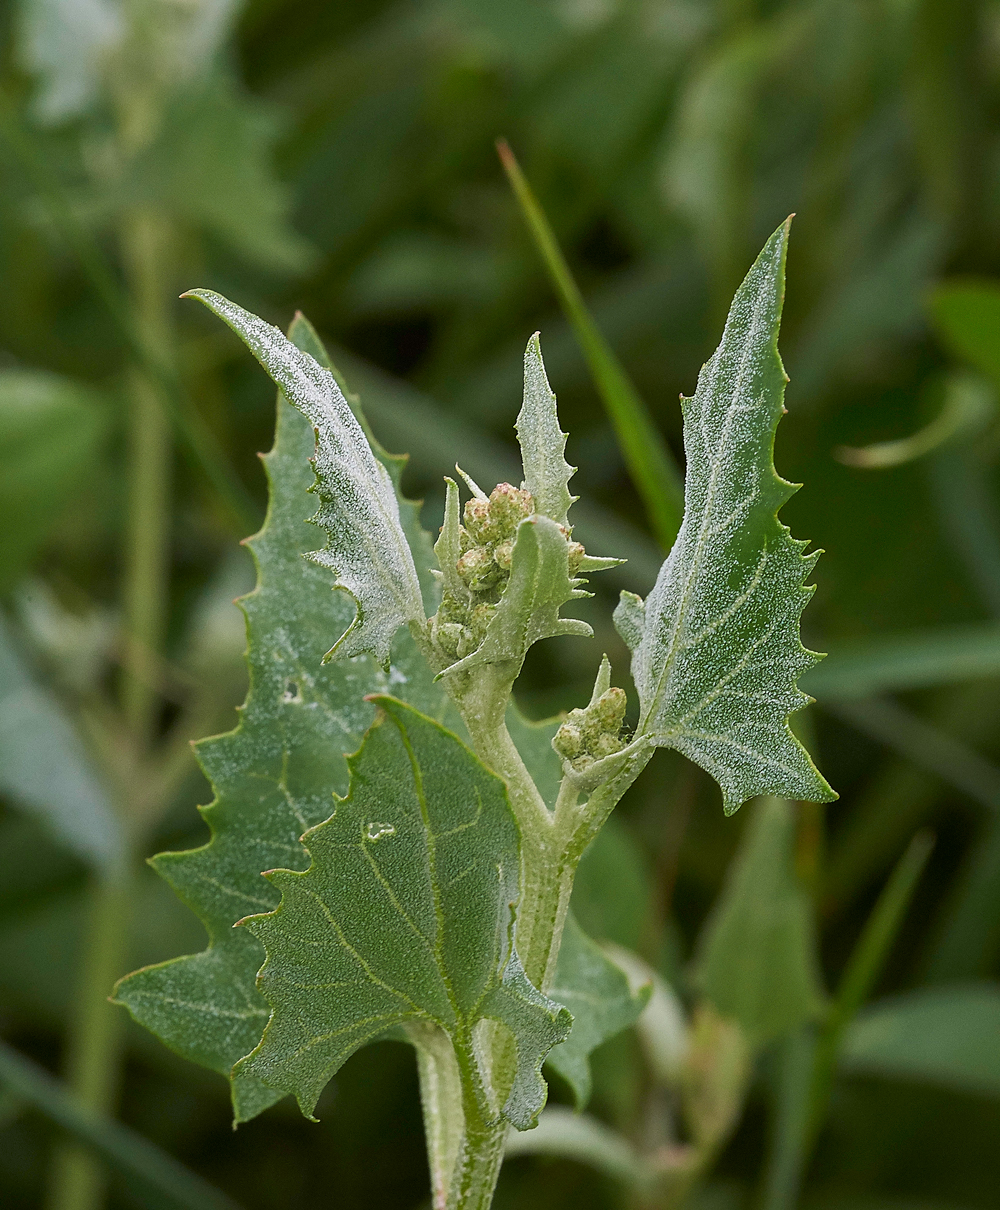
x=757, y=958
x=403, y=916
x=543, y=443
x=715, y=649
x=358, y=508
x=274, y=776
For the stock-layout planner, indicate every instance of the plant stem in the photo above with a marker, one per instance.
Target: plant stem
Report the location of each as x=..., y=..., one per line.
x=94, y=1061
x=145, y=242
x=94, y=1052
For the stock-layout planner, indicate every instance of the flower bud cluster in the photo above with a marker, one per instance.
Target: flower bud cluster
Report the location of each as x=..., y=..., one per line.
x=487, y=549
x=488, y=536
x=595, y=732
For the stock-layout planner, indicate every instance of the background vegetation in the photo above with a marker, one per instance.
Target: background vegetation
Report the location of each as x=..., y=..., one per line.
x=339, y=158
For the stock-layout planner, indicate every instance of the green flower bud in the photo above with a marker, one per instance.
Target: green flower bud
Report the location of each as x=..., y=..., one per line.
x=477, y=520
x=509, y=506
x=576, y=554
x=477, y=569
x=608, y=712
x=503, y=554
x=568, y=741
x=606, y=744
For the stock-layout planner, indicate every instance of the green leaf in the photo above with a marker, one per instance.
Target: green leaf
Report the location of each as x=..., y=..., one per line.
x=948, y=1036
x=358, y=506
x=757, y=956
x=46, y=769
x=404, y=915
x=715, y=650
x=529, y=608
x=51, y=435
x=543, y=443
x=596, y=991
x=274, y=776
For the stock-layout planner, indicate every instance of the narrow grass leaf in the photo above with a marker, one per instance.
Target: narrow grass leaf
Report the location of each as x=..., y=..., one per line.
x=647, y=455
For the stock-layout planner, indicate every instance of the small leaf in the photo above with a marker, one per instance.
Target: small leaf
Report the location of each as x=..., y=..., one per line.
x=529, y=608
x=543, y=443
x=404, y=915
x=718, y=651
x=358, y=507
x=757, y=957
x=596, y=991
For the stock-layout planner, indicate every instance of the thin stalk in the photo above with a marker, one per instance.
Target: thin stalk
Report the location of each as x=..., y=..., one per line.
x=788, y=1152
x=863, y=969
x=94, y=1059
x=145, y=245
x=650, y=463
x=93, y=1064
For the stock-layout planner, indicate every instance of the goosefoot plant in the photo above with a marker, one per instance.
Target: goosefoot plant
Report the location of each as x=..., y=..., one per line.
x=419, y=888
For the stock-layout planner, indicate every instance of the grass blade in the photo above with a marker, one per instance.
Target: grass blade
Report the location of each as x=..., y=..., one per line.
x=808, y=1059
x=650, y=462
x=864, y=967
x=145, y=1166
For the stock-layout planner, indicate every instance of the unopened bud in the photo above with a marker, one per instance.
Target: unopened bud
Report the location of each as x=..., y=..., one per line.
x=509, y=505
x=477, y=519
x=449, y=637
x=503, y=554
x=608, y=712
x=477, y=569
x=479, y=621
x=576, y=554
x=606, y=744
x=568, y=741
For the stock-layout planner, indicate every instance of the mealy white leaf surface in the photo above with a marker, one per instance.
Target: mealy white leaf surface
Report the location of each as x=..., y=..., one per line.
x=367, y=548
x=543, y=443
x=716, y=649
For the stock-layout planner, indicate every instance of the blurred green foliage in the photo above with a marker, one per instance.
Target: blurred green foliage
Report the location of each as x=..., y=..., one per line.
x=340, y=159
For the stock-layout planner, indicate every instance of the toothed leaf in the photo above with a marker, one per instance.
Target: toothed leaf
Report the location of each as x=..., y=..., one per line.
x=543, y=443
x=597, y=993
x=403, y=916
x=358, y=508
x=715, y=651
x=529, y=608
x=273, y=777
